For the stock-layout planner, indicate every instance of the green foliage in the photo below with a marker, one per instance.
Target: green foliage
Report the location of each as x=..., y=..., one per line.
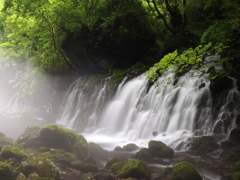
x=180, y=63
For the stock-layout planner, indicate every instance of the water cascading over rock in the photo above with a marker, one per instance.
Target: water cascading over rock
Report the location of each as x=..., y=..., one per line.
x=170, y=111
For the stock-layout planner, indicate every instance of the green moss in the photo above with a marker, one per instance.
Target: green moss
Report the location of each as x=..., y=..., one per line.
x=205, y=144
x=238, y=165
x=43, y=166
x=130, y=147
x=135, y=168
x=185, y=171
x=113, y=160
x=159, y=149
x=6, y=171
x=117, y=167
x=58, y=137
x=5, y=140
x=143, y=154
x=9, y=151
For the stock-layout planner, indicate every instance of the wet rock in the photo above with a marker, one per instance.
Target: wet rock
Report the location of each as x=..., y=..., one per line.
x=58, y=137
x=143, y=154
x=135, y=168
x=234, y=155
x=185, y=171
x=20, y=175
x=235, y=135
x=159, y=149
x=42, y=166
x=9, y=151
x=118, y=148
x=95, y=149
x=5, y=140
x=204, y=144
x=130, y=147
x=6, y=171
x=117, y=167
x=30, y=138
x=33, y=175
x=113, y=160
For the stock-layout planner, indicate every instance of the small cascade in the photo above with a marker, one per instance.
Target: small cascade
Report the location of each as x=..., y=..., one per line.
x=229, y=112
x=80, y=109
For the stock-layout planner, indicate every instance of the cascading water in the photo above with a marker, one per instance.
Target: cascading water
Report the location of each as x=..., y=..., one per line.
x=168, y=111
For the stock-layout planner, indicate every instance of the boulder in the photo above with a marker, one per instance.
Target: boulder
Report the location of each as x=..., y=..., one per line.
x=58, y=137
x=185, y=171
x=30, y=138
x=44, y=167
x=54, y=137
x=143, y=154
x=9, y=151
x=5, y=140
x=135, y=168
x=113, y=160
x=5, y=171
x=204, y=144
x=130, y=147
x=159, y=149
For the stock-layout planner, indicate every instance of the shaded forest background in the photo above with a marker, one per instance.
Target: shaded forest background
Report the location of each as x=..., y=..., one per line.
x=57, y=37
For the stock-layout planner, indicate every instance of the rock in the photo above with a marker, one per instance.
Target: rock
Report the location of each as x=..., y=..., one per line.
x=58, y=137
x=5, y=171
x=113, y=160
x=42, y=166
x=20, y=175
x=95, y=149
x=117, y=167
x=204, y=144
x=234, y=155
x=5, y=140
x=185, y=171
x=235, y=135
x=118, y=148
x=130, y=147
x=159, y=149
x=30, y=138
x=143, y=154
x=135, y=168
x=87, y=165
x=9, y=151
x=33, y=175
x=233, y=176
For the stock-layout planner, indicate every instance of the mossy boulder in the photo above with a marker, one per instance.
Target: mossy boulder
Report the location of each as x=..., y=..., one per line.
x=4, y=140
x=130, y=147
x=204, y=144
x=185, y=171
x=135, y=168
x=159, y=149
x=88, y=164
x=9, y=151
x=117, y=167
x=58, y=137
x=54, y=137
x=30, y=138
x=143, y=154
x=44, y=167
x=6, y=171
x=113, y=160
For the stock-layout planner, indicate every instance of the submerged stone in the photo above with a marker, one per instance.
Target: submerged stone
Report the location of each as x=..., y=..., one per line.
x=185, y=171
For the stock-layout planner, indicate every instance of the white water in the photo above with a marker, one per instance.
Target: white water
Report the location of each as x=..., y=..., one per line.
x=172, y=112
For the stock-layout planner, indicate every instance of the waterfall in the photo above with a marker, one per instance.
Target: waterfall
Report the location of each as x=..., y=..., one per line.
x=171, y=111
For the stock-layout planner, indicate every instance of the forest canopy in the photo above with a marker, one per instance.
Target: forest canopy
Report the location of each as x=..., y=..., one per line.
x=93, y=36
